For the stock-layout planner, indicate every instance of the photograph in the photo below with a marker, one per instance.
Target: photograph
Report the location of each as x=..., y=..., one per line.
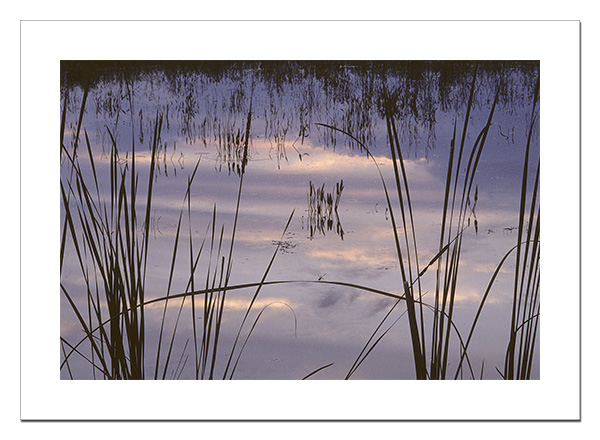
x=249, y=221
x=300, y=220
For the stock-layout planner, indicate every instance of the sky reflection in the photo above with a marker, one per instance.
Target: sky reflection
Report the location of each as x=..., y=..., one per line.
x=302, y=326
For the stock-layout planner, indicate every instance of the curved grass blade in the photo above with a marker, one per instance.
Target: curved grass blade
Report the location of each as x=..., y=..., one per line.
x=317, y=370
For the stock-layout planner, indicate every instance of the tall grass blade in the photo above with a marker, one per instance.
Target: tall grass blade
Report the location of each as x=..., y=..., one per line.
x=525, y=292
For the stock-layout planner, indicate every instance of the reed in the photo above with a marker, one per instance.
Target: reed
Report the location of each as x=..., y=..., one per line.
x=431, y=346
x=454, y=222
x=109, y=235
x=112, y=256
x=112, y=248
x=323, y=209
x=525, y=306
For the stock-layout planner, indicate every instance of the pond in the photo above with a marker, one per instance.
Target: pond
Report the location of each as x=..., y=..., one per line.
x=291, y=220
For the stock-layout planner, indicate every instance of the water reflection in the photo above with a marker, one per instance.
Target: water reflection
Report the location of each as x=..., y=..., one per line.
x=259, y=122
x=323, y=209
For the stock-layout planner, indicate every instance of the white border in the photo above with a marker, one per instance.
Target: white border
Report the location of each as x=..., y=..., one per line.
x=555, y=396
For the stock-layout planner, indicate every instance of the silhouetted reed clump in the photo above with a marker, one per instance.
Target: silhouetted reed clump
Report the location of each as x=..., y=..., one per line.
x=323, y=212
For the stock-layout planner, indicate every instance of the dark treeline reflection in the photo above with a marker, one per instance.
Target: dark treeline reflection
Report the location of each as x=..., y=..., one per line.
x=208, y=101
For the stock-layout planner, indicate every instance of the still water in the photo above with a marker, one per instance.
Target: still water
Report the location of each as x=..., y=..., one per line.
x=235, y=149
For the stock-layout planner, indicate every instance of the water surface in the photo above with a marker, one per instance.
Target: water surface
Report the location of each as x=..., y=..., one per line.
x=270, y=125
